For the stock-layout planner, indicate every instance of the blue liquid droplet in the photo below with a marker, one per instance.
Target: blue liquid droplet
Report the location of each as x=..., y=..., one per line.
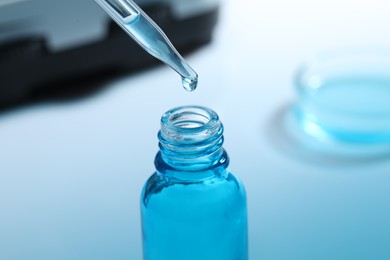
x=189, y=84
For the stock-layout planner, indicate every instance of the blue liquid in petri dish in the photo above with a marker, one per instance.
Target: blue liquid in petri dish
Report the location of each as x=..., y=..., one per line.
x=345, y=96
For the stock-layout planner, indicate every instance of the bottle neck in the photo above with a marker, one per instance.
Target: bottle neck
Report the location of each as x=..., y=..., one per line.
x=190, y=140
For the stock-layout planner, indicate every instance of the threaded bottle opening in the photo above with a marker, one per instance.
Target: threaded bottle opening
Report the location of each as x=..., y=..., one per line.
x=190, y=137
x=189, y=124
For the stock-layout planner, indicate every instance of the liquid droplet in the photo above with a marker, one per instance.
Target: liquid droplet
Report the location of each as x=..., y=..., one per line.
x=189, y=84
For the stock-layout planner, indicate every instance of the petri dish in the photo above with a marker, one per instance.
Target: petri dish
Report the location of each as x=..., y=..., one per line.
x=344, y=96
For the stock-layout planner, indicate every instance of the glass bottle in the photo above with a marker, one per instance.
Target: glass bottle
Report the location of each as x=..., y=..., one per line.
x=192, y=207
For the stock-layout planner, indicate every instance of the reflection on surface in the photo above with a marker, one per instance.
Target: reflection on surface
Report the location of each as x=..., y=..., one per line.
x=287, y=136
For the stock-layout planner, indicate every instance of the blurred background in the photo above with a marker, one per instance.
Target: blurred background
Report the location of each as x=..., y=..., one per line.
x=80, y=106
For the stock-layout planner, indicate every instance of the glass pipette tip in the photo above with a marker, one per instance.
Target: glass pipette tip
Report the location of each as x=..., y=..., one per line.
x=136, y=23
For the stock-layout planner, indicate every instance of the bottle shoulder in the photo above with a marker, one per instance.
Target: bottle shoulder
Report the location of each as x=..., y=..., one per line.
x=220, y=188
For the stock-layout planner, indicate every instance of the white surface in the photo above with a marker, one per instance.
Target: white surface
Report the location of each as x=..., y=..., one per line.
x=71, y=173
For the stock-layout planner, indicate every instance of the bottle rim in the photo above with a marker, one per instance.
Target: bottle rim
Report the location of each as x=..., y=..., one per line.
x=189, y=119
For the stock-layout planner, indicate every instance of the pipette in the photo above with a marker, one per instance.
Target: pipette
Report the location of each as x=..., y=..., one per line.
x=136, y=23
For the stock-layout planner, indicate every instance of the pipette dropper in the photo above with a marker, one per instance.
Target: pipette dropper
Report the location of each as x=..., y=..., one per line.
x=136, y=23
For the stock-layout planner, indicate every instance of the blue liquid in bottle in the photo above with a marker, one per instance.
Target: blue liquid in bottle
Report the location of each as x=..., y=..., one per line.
x=192, y=207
